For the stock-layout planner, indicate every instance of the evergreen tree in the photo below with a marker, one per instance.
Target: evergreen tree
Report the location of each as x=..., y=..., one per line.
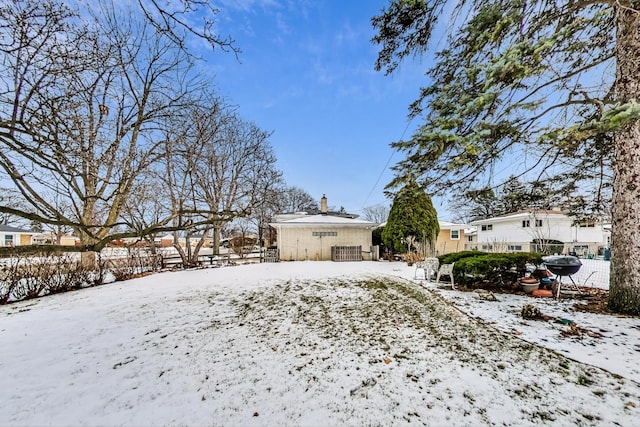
x=552, y=83
x=412, y=215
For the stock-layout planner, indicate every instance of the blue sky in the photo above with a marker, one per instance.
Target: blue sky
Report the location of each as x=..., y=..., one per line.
x=306, y=72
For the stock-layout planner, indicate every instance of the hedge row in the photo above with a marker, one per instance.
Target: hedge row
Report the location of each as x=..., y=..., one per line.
x=478, y=269
x=23, y=277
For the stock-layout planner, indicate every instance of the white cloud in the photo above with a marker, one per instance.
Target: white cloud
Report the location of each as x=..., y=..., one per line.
x=281, y=24
x=346, y=35
x=248, y=5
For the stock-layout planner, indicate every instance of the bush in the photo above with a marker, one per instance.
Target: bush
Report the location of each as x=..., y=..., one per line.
x=136, y=263
x=25, y=276
x=490, y=270
x=456, y=256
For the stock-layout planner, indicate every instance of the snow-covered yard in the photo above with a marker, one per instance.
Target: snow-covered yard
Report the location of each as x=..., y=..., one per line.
x=309, y=343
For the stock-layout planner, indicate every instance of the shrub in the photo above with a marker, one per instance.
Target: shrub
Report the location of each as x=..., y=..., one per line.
x=456, y=256
x=25, y=275
x=490, y=270
x=9, y=280
x=130, y=266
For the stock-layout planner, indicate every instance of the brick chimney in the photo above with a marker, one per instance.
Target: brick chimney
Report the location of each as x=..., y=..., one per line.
x=323, y=205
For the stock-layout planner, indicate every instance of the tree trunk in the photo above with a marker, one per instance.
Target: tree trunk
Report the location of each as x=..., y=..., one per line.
x=624, y=295
x=180, y=249
x=216, y=239
x=151, y=240
x=196, y=249
x=89, y=260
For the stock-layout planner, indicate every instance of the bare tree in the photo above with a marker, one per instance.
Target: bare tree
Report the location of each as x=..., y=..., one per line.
x=266, y=208
x=376, y=213
x=218, y=167
x=295, y=199
x=148, y=204
x=176, y=19
x=11, y=197
x=81, y=100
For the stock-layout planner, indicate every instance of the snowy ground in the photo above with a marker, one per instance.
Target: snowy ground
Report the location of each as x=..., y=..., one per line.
x=309, y=343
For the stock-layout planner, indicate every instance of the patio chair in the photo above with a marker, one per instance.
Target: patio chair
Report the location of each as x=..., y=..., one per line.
x=429, y=267
x=446, y=270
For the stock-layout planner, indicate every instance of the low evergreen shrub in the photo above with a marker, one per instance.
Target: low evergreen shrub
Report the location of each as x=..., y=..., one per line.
x=477, y=269
x=456, y=256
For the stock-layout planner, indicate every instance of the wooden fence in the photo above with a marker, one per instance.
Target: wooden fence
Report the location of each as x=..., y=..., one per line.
x=346, y=253
x=271, y=255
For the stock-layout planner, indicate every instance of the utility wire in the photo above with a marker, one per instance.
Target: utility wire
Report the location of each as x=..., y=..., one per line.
x=386, y=165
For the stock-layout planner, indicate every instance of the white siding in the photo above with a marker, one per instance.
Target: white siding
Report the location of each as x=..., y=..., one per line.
x=509, y=231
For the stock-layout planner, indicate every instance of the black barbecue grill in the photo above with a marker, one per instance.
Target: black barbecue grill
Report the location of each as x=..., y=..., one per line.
x=563, y=266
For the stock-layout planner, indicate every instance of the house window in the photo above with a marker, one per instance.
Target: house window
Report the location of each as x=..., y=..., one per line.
x=514, y=247
x=487, y=247
x=455, y=234
x=538, y=223
x=469, y=238
x=526, y=223
x=587, y=224
x=324, y=233
x=487, y=227
x=8, y=239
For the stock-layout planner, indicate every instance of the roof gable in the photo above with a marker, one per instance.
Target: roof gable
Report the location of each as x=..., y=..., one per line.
x=325, y=219
x=446, y=225
x=522, y=214
x=9, y=229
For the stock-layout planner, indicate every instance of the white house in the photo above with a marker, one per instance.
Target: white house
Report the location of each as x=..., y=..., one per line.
x=551, y=231
x=12, y=236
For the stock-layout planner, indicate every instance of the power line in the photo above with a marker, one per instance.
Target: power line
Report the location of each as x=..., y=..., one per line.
x=386, y=165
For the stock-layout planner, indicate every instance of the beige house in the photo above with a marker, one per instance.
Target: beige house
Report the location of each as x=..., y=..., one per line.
x=166, y=241
x=52, y=238
x=451, y=238
x=323, y=237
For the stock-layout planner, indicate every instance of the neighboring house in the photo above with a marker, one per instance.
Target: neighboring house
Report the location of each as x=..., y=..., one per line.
x=51, y=239
x=164, y=241
x=303, y=236
x=452, y=238
x=12, y=236
x=547, y=231
x=470, y=238
x=167, y=241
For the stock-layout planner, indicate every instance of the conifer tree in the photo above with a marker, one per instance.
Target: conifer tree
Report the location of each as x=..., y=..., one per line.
x=412, y=215
x=551, y=83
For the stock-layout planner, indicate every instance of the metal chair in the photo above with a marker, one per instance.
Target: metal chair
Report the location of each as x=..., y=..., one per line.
x=446, y=270
x=429, y=267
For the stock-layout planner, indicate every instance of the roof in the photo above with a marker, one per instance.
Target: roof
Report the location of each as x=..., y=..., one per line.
x=9, y=229
x=444, y=225
x=519, y=214
x=324, y=220
x=281, y=217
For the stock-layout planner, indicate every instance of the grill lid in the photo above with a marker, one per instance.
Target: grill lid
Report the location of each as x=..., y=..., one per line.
x=562, y=261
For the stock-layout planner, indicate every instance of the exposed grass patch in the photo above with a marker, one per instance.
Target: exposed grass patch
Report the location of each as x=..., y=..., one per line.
x=387, y=322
